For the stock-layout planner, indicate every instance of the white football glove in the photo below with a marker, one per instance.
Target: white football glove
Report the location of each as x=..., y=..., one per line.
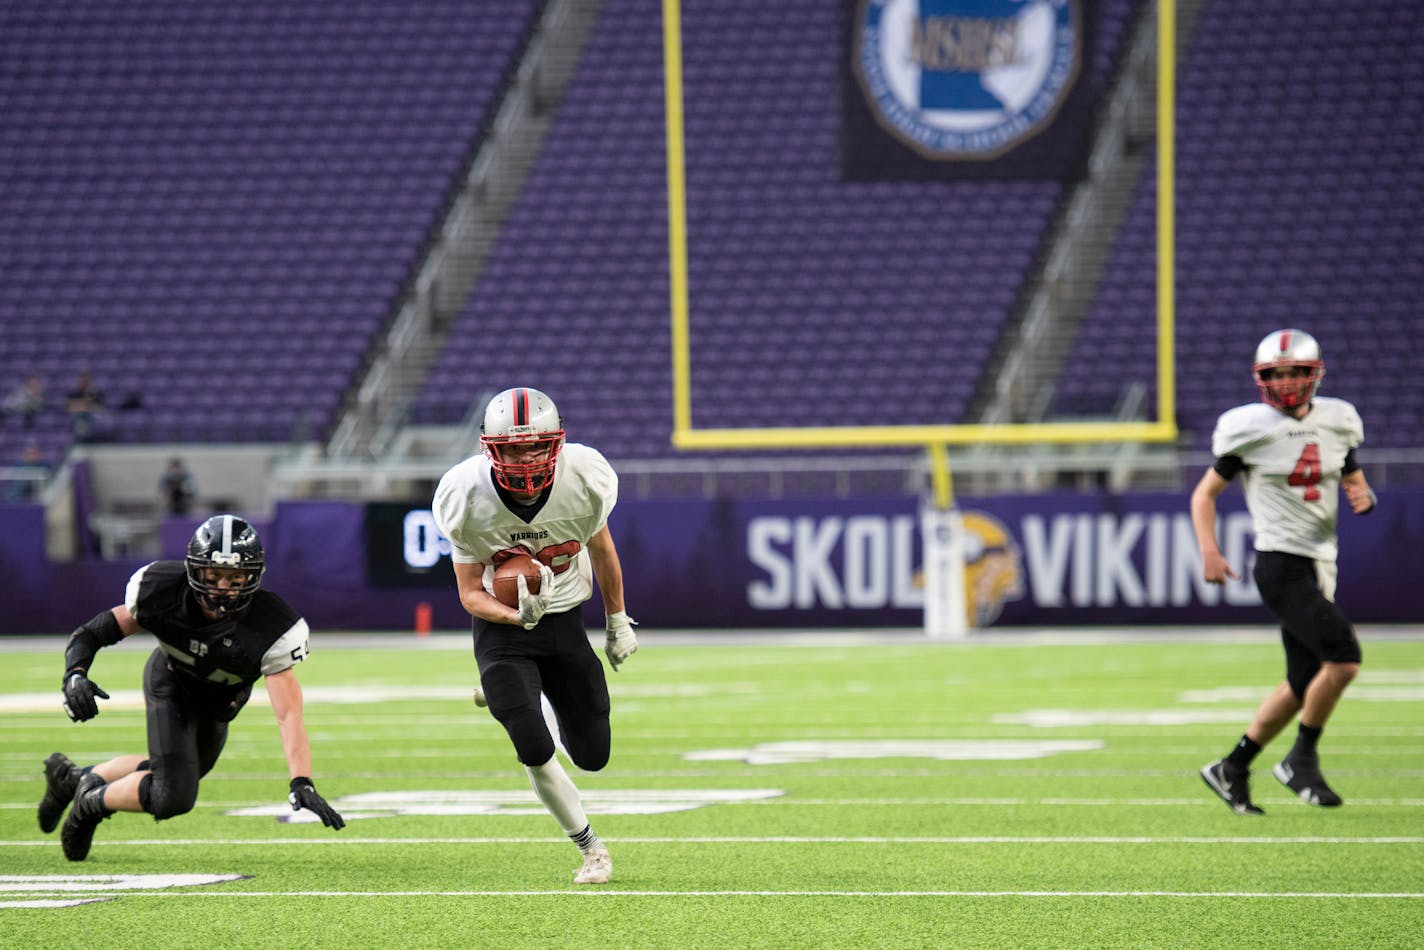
x=533, y=606
x=621, y=642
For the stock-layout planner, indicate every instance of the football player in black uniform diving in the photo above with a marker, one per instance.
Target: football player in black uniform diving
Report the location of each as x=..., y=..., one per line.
x=217, y=631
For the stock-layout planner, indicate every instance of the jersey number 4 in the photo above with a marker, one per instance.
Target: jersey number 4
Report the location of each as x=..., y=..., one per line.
x=1307, y=471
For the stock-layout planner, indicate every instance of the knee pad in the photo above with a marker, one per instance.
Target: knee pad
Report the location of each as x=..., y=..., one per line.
x=162, y=801
x=589, y=746
x=1339, y=643
x=526, y=728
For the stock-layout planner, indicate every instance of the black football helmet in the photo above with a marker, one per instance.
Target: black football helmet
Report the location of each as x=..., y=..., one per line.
x=229, y=543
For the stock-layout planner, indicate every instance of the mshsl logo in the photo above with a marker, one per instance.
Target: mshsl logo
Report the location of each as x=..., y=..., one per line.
x=966, y=79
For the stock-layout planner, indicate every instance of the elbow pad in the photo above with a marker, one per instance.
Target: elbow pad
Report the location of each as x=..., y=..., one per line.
x=101, y=631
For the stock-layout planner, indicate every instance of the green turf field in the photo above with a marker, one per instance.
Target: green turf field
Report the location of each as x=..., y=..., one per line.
x=1010, y=793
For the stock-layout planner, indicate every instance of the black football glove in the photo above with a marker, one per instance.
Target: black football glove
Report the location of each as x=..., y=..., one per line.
x=79, y=693
x=305, y=795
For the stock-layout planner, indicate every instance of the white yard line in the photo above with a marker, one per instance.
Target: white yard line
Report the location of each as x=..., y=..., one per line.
x=600, y=892
x=847, y=637
x=757, y=839
x=973, y=802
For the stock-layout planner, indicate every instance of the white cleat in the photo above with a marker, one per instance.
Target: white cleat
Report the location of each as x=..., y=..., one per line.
x=597, y=868
x=480, y=700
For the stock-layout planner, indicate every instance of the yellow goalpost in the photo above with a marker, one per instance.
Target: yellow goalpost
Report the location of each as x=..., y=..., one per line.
x=941, y=519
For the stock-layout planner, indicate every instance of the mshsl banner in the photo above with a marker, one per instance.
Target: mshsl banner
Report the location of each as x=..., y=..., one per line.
x=967, y=88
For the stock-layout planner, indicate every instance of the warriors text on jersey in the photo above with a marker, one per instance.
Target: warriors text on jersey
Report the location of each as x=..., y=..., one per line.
x=220, y=659
x=483, y=528
x=1291, y=471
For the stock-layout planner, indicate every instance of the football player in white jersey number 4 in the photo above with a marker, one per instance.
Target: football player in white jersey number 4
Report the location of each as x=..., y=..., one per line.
x=1294, y=451
x=529, y=493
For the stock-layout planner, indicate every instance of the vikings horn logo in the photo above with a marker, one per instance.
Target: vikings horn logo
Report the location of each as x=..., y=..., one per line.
x=993, y=568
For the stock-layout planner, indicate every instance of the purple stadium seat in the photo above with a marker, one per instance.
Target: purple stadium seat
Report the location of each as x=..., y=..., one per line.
x=1299, y=186
x=192, y=187
x=812, y=299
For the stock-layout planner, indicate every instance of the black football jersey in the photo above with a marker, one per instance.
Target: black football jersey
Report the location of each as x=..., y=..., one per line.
x=220, y=659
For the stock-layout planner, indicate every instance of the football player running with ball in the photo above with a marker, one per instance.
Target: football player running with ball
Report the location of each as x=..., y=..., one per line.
x=530, y=493
x=218, y=632
x=1294, y=451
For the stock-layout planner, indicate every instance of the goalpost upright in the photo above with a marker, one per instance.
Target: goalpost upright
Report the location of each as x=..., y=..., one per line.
x=940, y=523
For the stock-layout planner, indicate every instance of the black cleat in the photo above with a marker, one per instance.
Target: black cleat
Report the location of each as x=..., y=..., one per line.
x=1232, y=786
x=61, y=779
x=84, y=816
x=1305, y=780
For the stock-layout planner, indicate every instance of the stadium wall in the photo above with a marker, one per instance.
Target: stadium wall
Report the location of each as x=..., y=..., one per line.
x=1034, y=560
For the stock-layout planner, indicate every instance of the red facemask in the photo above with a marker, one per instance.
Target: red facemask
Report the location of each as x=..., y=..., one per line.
x=1288, y=392
x=523, y=464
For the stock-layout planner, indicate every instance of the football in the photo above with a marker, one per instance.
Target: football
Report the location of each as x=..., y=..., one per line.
x=506, y=588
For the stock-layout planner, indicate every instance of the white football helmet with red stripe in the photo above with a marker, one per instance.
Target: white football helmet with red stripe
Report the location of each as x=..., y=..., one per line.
x=1289, y=349
x=522, y=434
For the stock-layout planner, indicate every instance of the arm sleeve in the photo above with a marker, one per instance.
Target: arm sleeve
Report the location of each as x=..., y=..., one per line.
x=101, y=630
x=1229, y=466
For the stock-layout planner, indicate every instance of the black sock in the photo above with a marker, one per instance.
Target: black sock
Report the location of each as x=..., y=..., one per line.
x=1305, y=741
x=1241, y=756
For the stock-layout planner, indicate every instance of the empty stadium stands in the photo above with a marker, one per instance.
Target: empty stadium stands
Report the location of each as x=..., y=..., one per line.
x=815, y=301
x=212, y=208
x=1299, y=191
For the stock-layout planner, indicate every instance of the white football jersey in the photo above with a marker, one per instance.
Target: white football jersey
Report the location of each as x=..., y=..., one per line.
x=1292, y=473
x=470, y=512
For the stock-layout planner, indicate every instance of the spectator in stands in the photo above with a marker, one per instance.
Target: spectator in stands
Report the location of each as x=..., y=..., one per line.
x=1295, y=452
x=177, y=487
x=85, y=402
x=218, y=633
x=27, y=400
x=512, y=500
x=24, y=490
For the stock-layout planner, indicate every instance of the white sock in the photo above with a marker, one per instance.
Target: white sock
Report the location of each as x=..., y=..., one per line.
x=552, y=721
x=558, y=793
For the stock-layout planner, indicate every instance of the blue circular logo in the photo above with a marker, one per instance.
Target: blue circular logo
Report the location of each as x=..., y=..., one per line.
x=966, y=79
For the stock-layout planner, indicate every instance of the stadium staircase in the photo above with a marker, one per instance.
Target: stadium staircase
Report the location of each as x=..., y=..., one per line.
x=375, y=423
